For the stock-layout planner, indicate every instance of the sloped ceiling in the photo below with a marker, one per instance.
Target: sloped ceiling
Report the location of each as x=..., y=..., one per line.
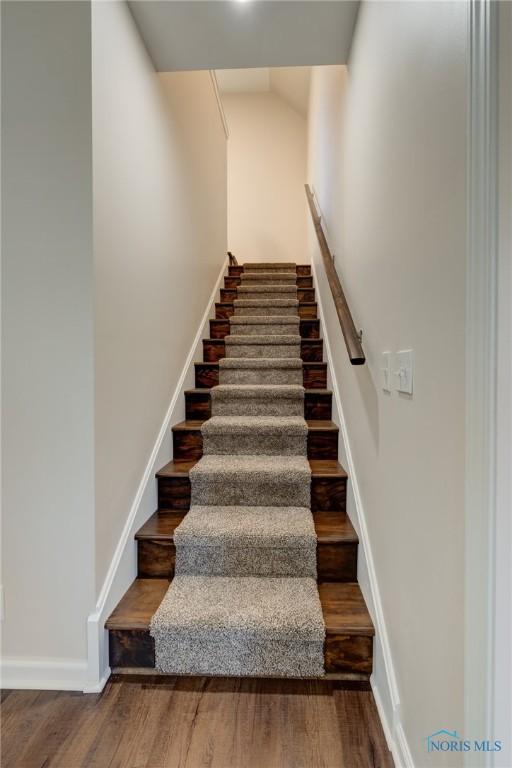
x=227, y=34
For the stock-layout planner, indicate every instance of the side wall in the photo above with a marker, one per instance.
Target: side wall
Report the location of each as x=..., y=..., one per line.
x=159, y=243
x=47, y=342
x=267, y=151
x=387, y=158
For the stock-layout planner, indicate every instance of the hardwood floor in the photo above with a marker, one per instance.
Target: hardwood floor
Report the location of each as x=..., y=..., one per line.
x=165, y=722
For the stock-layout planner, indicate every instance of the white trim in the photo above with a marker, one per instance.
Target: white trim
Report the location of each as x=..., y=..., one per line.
x=44, y=674
x=219, y=102
x=122, y=568
x=481, y=362
x=391, y=721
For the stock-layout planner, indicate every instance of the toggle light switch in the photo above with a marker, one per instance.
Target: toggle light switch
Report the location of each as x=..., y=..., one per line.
x=404, y=371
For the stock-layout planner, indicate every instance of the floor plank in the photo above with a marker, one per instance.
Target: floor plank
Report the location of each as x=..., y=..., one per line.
x=168, y=722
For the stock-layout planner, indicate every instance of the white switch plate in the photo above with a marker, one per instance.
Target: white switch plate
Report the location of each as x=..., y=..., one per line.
x=385, y=372
x=404, y=371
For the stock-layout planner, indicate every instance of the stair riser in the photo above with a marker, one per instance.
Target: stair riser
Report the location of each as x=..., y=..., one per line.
x=316, y=405
x=343, y=653
x=301, y=269
x=309, y=329
x=313, y=376
x=303, y=294
x=327, y=494
x=335, y=562
x=303, y=281
x=225, y=311
x=311, y=350
x=188, y=444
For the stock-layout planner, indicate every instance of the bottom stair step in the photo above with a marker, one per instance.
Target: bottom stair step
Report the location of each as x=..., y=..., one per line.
x=348, y=626
x=239, y=626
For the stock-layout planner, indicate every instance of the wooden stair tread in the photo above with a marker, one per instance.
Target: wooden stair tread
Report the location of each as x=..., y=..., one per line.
x=319, y=425
x=319, y=468
x=331, y=527
x=305, y=364
x=206, y=390
x=343, y=606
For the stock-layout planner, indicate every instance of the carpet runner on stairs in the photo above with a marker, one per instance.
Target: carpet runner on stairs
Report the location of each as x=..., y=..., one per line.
x=244, y=599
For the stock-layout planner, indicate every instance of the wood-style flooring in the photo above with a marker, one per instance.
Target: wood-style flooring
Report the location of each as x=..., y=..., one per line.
x=164, y=722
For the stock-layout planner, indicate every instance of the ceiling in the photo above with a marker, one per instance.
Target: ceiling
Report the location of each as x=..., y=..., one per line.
x=290, y=83
x=226, y=34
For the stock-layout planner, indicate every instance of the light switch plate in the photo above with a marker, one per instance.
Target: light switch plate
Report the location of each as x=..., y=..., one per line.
x=385, y=372
x=404, y=371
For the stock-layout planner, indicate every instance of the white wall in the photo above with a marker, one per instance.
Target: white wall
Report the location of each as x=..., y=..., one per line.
x=159, y=243
x=267, y=153
x=387, y=157
x=47, y=339
x=114, y=213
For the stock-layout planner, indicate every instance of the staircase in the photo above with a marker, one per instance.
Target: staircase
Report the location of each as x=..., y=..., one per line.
x=266, y=558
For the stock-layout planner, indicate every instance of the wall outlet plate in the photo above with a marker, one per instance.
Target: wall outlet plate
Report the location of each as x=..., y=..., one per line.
x=404, y=371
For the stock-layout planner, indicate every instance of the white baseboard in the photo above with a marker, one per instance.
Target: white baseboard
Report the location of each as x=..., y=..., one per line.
x=45, y=674
x=122, y=570
x=389, y=713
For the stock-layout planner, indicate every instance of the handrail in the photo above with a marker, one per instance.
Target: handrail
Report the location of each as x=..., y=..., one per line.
x=351, y=336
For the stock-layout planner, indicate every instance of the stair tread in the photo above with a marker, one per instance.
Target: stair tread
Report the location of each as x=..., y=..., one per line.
x=330, y=527
x=319, y=468
x=207, y=390
x=317, y=425
x=343, y=607
x=304, y=364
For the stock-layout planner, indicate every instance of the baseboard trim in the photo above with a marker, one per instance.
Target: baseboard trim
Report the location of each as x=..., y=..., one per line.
x=391, y=722
x=122, y=569
x=45, y=674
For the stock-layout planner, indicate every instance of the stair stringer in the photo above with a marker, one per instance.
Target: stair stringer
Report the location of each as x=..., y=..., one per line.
x=383, y=678
x=123, y=566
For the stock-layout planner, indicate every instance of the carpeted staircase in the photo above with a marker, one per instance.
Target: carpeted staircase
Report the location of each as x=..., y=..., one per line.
x=244, y=599
x=251, y=529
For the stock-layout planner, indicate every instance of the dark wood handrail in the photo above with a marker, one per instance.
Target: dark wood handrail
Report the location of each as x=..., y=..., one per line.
x=351, y=336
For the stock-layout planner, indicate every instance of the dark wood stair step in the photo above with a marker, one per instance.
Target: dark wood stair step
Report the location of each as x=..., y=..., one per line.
x=309, y=328
x=349, y=628
x=307, y=310
x=328, y=485
x=317, y=404
x=311, y=350
x=314, y=375
x=322, y=439
x=336, y=546
x=301, y=269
